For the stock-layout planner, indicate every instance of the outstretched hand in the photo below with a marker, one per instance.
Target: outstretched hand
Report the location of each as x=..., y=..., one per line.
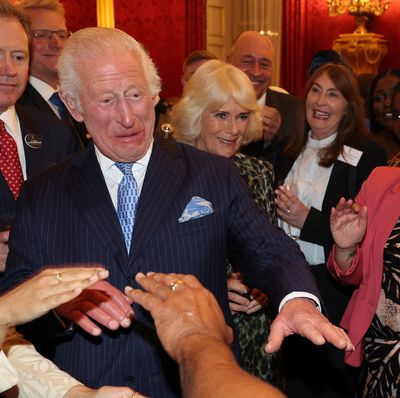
x=45, y=291
x=348, y=223
x=188, y=310
x=301, y=316
x=101, y=302
x=103, y=392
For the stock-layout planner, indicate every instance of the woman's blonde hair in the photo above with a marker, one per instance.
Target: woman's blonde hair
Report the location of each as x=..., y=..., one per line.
x=210, y=88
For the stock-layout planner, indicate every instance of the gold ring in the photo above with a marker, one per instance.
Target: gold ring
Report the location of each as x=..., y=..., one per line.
x=175, y=283
x=58, y=277
x=135, y=394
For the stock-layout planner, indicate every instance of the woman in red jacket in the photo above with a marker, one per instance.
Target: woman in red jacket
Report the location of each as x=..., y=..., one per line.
x=366, y=254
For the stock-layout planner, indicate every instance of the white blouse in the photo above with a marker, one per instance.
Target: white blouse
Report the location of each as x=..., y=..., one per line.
x=311, y=180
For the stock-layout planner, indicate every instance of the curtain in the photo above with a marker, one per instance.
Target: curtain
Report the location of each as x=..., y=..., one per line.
x=296, y=44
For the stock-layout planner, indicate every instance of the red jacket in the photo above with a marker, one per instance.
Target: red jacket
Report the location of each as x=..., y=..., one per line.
x=381, y=194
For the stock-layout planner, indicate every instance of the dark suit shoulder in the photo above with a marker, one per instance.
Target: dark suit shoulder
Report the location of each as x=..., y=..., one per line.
x=55, y=132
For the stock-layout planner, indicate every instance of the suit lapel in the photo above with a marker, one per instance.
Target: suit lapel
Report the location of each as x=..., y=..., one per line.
x=89, y=191
x=164, y=177
x=339, y=168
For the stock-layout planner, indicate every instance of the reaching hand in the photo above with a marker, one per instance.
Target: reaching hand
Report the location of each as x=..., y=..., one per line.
x=241, y=299
x=271, y=123
x=348, y=223
x=103, y=303
x=301, y=316
x=50, y=288
x=103, y=392
x=188, y=310
x=4, y=235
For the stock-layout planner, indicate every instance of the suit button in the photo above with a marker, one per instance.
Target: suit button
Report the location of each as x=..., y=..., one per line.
x=130, y=379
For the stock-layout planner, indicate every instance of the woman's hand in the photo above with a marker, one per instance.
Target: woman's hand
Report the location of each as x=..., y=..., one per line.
x=348, y=224
x=103, y=392
x=240, y=298
x=45, y=291
x=289, y=208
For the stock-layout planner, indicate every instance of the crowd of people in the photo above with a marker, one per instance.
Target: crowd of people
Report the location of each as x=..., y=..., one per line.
x=248, y=247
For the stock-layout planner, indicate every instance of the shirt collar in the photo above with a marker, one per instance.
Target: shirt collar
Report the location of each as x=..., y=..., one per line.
x=44, y=89
x=262, y=99
x=106, y=163
x=9, y=117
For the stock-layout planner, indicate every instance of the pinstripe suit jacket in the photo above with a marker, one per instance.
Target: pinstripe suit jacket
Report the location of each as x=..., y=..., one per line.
x=67, y=216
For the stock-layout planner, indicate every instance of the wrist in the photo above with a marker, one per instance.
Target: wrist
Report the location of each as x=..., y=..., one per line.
x=346, y=249
x=78, y=391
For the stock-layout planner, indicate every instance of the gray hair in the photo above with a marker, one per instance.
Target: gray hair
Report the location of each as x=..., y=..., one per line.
x=212, y=86
x=89, y=43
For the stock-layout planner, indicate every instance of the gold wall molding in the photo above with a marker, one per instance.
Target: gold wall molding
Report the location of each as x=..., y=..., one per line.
x=105, y=13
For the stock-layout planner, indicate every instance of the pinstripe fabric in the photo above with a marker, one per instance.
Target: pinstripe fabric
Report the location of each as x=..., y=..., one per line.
x=67, y=216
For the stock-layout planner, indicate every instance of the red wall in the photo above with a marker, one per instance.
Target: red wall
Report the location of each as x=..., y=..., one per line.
x=167, y=29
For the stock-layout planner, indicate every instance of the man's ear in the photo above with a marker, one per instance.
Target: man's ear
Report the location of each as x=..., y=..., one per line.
x=72, y=109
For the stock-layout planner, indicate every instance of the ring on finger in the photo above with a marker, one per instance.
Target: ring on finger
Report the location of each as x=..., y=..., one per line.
x=175, y=283
x=287, y=210
x=58, y=277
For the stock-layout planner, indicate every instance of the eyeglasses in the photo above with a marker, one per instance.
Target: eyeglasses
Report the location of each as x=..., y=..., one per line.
x=45, y=34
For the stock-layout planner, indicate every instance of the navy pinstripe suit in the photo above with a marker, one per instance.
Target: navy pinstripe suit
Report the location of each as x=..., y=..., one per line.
x=66, y=216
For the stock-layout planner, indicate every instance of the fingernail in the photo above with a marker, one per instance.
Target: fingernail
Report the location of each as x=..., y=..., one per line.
x=96, y=332
x=113, y=325
x=126, y=322
x=140, y=275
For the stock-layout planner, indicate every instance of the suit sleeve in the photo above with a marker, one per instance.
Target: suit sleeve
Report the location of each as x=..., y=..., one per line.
x=34, y=375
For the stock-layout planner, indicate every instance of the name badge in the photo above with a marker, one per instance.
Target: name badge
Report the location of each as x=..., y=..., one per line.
x=33, y=141
x=350, y=155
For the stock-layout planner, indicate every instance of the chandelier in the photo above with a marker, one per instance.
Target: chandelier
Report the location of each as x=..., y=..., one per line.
x=362, y=10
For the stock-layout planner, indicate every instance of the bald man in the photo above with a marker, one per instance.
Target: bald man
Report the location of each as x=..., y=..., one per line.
x=254, y=54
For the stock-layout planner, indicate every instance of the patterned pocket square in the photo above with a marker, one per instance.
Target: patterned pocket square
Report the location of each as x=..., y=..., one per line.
x=196, y=208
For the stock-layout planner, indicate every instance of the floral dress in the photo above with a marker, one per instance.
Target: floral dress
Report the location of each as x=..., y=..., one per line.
x=382, y=341
x=252, y=330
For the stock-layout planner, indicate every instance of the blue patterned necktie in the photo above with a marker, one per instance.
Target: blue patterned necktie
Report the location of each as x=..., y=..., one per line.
x=128, y=197
x=62, y=109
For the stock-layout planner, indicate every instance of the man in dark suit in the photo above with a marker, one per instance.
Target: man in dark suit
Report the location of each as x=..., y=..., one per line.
x=48, y=34
x=253, y=53
x=136, y=203
x=32, y=132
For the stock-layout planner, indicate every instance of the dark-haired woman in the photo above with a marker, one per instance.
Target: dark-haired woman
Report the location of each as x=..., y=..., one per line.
x=328, y=158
